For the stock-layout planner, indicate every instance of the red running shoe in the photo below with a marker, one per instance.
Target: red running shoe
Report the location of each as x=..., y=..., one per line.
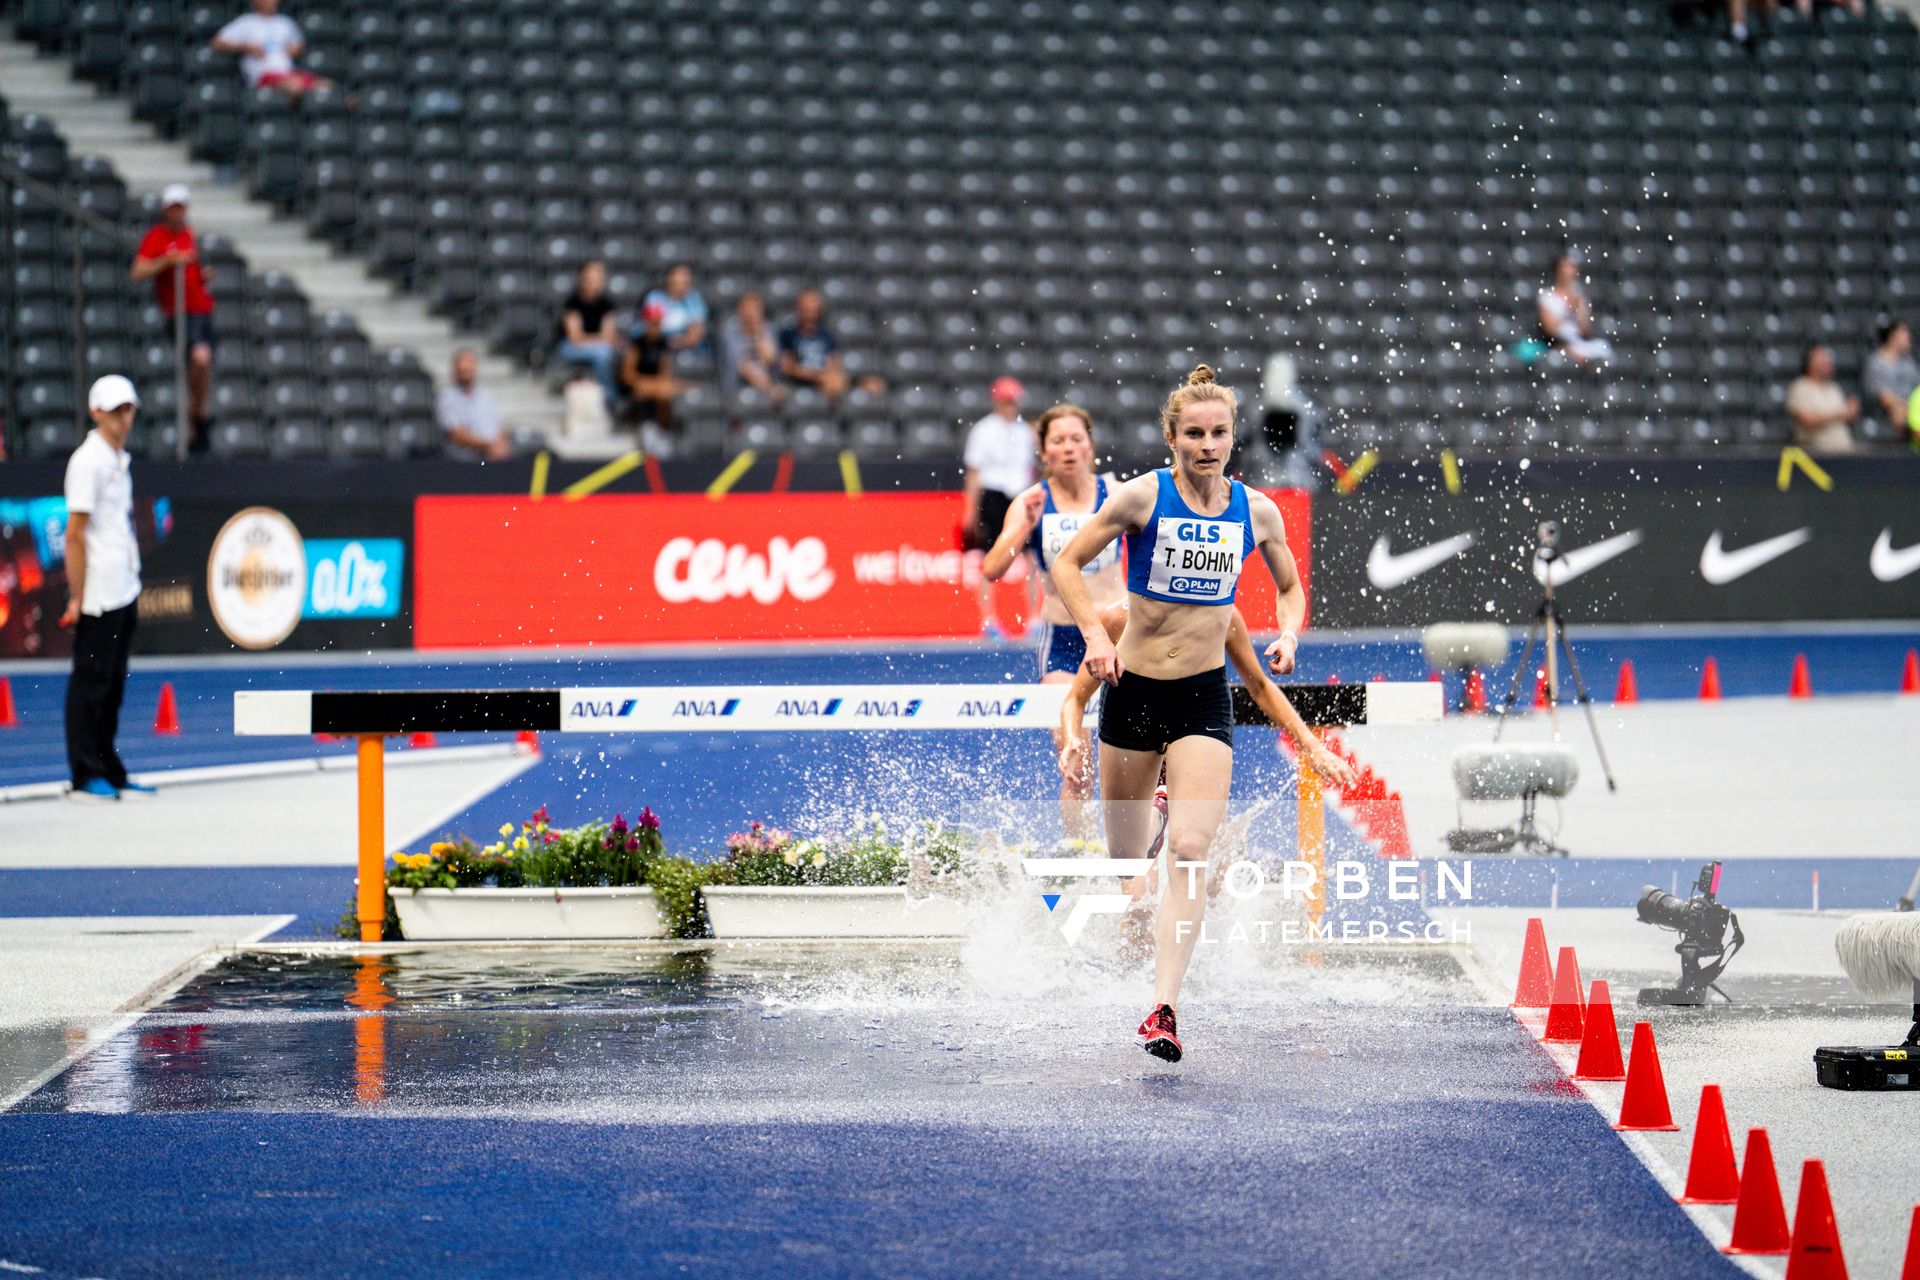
x=1160, y=835
x=1157, y=1034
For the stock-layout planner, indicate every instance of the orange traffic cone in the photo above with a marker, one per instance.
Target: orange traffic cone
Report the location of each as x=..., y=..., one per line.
x=1712, y=1177
x=1476, y=696
x=1910, y=1270
x=1759, y=1215
x=1535, y=989
x=9, y=718
x=1801, y=685
x=1815, y=1253
x=1910, y=674
x=1710, y=680
x=1628, y=690
x=1541, y=695
x=1567, y=1015
x=167, y=718
x=527, y=742
x=1600, y=1039
x=1644, y=1107
x=423, y=739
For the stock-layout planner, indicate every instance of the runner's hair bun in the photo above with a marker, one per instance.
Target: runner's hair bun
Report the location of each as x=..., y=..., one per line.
x=1201, y=374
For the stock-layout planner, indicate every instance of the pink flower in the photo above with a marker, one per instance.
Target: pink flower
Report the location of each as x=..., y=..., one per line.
x=648, y=819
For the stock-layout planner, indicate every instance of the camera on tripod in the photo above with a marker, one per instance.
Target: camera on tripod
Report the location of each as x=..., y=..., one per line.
x=1709, y=932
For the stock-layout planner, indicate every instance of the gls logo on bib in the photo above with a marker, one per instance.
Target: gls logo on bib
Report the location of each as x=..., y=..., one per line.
x=1056, y=531
x=1196, y=560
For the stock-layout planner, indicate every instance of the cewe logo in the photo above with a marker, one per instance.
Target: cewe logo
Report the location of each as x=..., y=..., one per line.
x=698, y=707
x=808, y=706
x=1198, y=531
x=605, y=709
x=991, y=707
x=711, y=570
x=888, y=707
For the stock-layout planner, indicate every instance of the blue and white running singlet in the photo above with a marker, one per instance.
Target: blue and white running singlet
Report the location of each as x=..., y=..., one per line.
x=1185, y=558
x=1056, y=529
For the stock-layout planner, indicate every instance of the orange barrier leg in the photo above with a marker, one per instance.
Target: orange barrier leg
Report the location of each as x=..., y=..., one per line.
x=373, y=837
x=1313, y=834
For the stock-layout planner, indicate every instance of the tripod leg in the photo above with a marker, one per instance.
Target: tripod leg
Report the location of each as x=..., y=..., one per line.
x=1519, y=673
x=1586, y=704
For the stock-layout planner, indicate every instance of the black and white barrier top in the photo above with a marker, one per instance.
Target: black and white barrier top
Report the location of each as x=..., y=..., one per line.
x=749, y=708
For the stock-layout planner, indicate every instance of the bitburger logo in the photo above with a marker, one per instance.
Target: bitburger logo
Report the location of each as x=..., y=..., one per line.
x=257, y=578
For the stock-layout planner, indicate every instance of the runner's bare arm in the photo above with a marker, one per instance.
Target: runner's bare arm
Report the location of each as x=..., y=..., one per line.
x=1126, y=508
x=1270, y=536
x=1267, y=696
x=1014, y=531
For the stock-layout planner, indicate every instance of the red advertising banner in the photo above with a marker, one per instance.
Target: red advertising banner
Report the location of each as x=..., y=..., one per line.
x=678, y=568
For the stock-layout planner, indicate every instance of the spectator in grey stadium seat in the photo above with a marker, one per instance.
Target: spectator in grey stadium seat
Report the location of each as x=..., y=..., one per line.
x=170, y=245
x=468, y=416
x=588, y=334
x=684, y=313
x=646, y=371
x=268, y=43
x=1566, y=316
x=1892, y=375
x=810, y=354
x=747, y=351
x=1822, y=413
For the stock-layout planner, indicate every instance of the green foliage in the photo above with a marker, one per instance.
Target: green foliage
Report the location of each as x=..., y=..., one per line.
x=676, y=890
x=870, y=854
x=538, y=855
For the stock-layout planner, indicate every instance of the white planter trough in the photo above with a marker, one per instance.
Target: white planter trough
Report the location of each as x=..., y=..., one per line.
x=829, y=911
x=441, y=915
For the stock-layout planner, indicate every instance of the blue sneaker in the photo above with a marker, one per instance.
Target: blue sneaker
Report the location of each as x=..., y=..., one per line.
x=131, y=790
x=94, y=791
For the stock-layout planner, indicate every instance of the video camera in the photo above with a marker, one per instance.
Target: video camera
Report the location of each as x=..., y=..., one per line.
x=1709, y=932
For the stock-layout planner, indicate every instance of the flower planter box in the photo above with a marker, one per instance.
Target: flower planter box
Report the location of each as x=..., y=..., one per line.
x=436, y=915
x=763, y=911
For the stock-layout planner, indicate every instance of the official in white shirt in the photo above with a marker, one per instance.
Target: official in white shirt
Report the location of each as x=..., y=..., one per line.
x=998, y=464
x=103, y=591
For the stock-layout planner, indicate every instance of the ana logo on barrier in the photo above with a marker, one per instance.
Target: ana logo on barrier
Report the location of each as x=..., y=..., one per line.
x=808, y=706
x=891, y=708
x=700, y=707
x=991, y=707
x=712, y=571
x=257, y=578
x=354, y=577
x=603, y=710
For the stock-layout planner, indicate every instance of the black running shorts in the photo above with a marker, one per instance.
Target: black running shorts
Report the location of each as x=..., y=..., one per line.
x=1144, y=714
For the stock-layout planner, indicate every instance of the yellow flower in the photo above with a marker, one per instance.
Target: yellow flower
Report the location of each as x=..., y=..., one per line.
x=540, y=827
x=440, y=849
x=519, y=844
x=819, y=859
x=506, y=828
x=793, y=859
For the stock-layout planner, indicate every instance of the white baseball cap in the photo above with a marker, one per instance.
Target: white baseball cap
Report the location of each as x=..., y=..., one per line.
x=111, y=392
x=176, y=193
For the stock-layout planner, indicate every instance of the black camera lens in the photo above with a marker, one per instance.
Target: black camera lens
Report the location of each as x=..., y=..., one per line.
x=1658, y=907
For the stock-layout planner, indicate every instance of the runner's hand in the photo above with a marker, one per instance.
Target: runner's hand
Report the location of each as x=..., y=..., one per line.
x=71, y=616
x=1073, y=755
x=1280, y=654
x=1330, y=767
x=1031, y=507
x=1104, y=660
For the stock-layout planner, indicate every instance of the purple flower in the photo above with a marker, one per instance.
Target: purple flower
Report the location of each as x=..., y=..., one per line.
x=648, y=819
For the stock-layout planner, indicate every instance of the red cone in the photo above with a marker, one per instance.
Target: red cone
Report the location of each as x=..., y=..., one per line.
x=1390, y=827
x=1910, y=674
x=1568, y=1015
x=527, y=742
x=1910, y=1270
x=1600, y=1039
x=1759, y=1216
x=1644, y=1107
x=1710, y=680
x=1628, y=690
x=1535, y=989
x=1801, y=685
x=1476, y=696
x=1815, y=1252
x=423, y=739
x=167, y=718
x=1712, y=1177
x=1542, y=697
x=9, y=718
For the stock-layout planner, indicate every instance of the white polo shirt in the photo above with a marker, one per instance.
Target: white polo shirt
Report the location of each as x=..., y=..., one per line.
x=100, y=483
x=274, y=36
x=1001, y=450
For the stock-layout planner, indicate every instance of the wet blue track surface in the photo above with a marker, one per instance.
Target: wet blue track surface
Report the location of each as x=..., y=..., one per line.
x=792, y=1115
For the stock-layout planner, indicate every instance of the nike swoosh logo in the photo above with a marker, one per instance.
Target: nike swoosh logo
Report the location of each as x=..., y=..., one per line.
x=1386, y=570
x=1569, y=565
x=1719, y=566
x=1889, y=565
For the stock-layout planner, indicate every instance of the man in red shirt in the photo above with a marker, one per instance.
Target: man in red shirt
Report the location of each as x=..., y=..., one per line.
x=169, y=246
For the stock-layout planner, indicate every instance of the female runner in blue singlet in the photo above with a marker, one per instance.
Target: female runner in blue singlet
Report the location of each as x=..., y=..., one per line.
x=1189, y=529
x=1041, y=521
